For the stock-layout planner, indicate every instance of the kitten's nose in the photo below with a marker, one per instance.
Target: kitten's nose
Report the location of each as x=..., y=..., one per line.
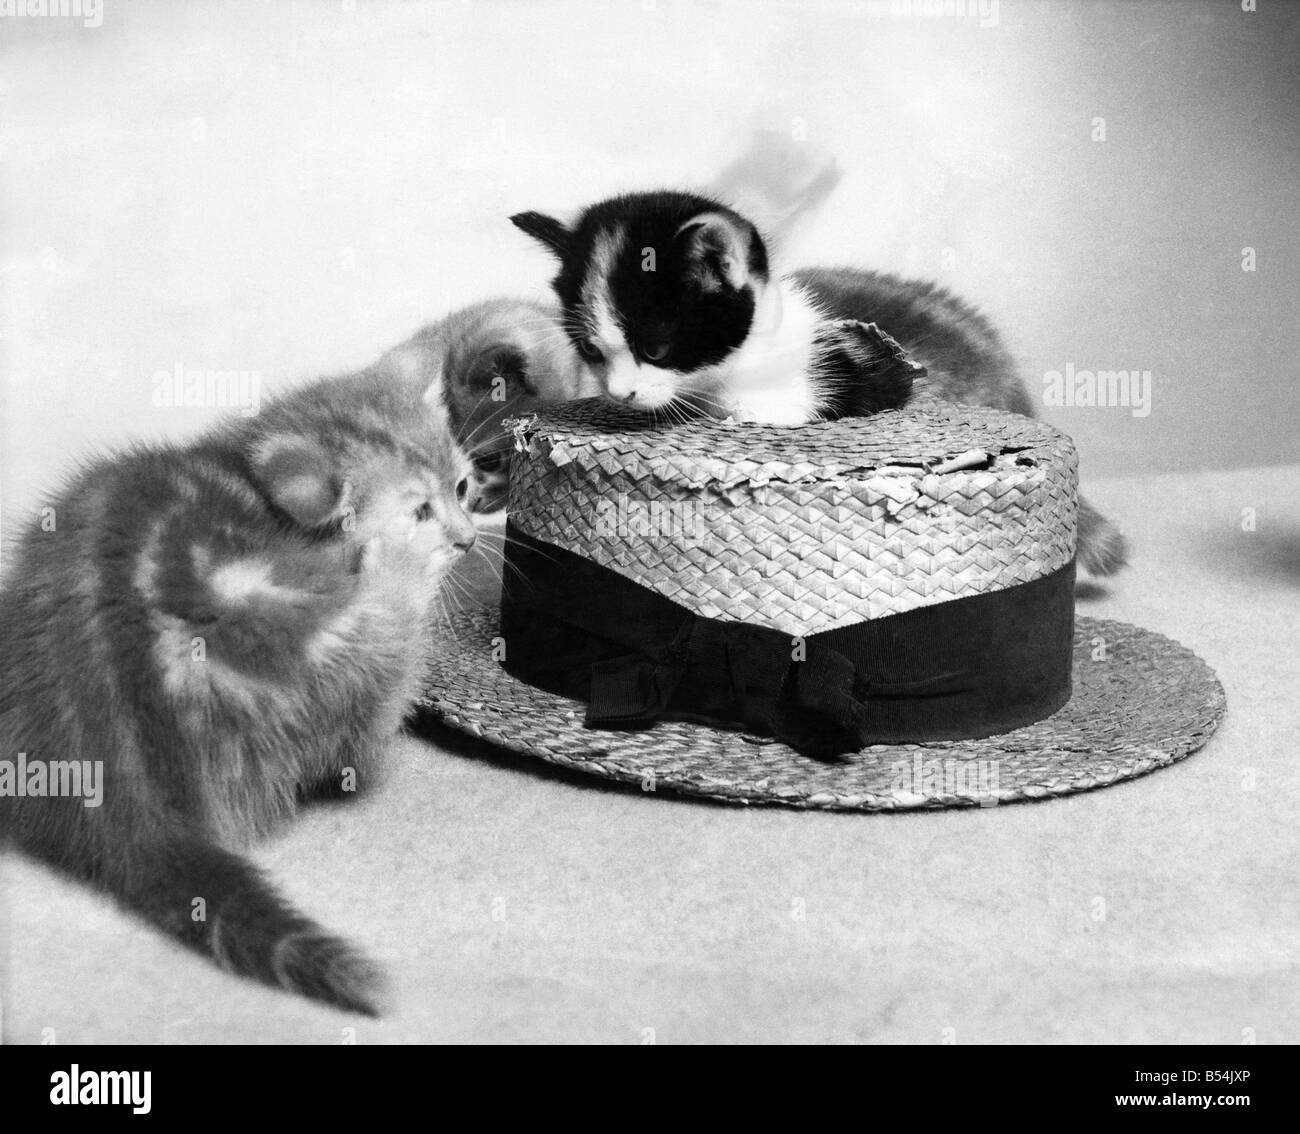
x=460, y=530
x=630, y=396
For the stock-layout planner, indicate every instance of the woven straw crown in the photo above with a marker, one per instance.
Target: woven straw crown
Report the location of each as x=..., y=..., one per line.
x=808, y=529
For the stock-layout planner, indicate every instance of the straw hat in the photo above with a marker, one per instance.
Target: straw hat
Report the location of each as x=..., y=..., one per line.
x=866, y=614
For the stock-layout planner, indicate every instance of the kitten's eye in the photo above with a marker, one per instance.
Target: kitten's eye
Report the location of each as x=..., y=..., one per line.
x=490, y=462
x=424, y=512
x=590, y=351
x=654, y=352
x=462, y=490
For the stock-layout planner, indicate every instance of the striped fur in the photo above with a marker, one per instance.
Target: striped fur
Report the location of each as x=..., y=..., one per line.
x=232, y=626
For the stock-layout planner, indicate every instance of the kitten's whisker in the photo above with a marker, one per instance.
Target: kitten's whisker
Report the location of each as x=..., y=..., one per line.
x=505, y=563
x=516, y=573
x=460, y=592
x=448, y=621
x=552, y=327
x=679, y=410
x=465, y=442
x=535, y=321
x=704, y=398
x=560, y=338
x=470, y=416
x=536, y=551
x=497, y=549
x=482, y=550
x=491, y=438
x=546, y=330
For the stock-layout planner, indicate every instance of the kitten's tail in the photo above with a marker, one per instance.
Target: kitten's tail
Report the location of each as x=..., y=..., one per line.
x=1102, y=549
x=221, y=905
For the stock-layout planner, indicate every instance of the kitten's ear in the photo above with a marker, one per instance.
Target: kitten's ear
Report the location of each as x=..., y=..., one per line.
x=723, y=250
x=499, y=373
x=548, y=230
x=300, y=477
x=422, y=364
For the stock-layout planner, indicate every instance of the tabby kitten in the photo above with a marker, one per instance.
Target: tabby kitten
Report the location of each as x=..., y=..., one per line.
x=487, y=362
x=231, y=626
x=670, y=300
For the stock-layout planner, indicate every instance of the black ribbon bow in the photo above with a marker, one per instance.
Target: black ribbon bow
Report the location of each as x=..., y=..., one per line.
x=739, y=673
x=961, y=669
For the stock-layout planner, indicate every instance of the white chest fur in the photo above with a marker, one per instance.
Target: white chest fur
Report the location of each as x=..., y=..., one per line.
x=768, y=378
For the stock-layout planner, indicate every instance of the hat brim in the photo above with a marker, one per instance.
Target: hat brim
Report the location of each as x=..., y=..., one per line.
x=1140, y=702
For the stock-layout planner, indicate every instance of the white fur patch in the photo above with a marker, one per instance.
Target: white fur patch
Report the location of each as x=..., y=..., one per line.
x=145, y=576
x=245, y=579
x=191, y=676
x=173, y=650
x=334, y=639
x=653, y=386
x=766, y=379
x=596, y=300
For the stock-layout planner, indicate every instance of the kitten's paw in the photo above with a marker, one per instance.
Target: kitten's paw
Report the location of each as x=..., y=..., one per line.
x=861, y=369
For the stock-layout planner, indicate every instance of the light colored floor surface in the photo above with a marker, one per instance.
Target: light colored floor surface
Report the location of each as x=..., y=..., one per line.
x=511, y=903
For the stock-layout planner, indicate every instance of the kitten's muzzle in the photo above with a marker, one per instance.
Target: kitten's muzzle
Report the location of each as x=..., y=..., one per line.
x=459, y=530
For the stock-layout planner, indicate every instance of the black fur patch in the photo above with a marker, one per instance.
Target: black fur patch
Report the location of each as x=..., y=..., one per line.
x=668, y=290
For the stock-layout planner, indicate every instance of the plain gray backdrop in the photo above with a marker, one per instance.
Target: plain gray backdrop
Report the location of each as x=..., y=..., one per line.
x=287, y=189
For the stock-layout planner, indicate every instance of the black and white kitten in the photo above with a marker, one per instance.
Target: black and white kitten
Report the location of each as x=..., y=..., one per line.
x=670, y=300
x=669, y=296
